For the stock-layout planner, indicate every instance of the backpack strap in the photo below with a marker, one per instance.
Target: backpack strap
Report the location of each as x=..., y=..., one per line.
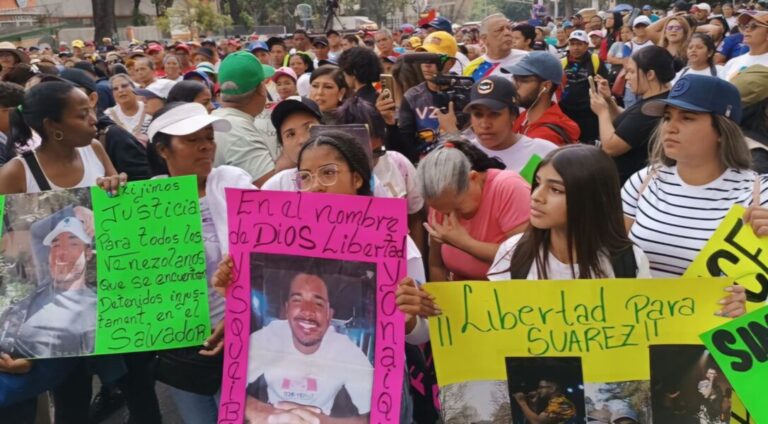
x=37, y=172
x=560, y=131
x=624, y=263
x=713, y=70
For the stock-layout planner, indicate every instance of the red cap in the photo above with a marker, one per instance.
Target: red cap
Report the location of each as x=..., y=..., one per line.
x=182, y=47
x=154, y=48
x=89, y=43
x=233, y=42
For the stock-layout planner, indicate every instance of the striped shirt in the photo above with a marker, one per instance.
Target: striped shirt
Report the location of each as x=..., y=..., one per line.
x=674, y=220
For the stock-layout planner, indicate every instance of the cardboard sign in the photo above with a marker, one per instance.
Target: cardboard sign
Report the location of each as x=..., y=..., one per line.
x=88, y=274
x=740, y=347
x=312, y=312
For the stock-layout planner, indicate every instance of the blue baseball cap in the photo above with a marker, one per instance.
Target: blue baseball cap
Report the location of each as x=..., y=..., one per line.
x=441, y=24
x=539, y=63
x=700, y=93
x=257, y=45
x=647, y=7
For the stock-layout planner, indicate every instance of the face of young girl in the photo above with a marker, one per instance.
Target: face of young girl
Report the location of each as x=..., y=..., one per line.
x=326, y=171
x=548, y=200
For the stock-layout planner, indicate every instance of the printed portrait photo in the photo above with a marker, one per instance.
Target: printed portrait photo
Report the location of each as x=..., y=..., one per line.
x=48, y=275
x=546, y=390
x=312, y=339
x=688, y=387
x=624, y=402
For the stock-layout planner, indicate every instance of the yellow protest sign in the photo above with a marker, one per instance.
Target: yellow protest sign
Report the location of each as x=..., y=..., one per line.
x=608, y=323
x=735, y=251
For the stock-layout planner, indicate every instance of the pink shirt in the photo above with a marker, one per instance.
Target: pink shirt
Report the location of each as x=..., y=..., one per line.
x=505, y=205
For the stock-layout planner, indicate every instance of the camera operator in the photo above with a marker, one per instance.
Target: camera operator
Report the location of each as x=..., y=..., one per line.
x=427, y=109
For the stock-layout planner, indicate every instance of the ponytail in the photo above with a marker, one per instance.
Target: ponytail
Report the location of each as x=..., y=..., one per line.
x=46, y=100
x=19, y=134
x=448, y=167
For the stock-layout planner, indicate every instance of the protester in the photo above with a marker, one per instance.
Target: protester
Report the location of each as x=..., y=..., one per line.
x=499, y=53
x=756, y=37
x=537, y=78
x=285, y=82
x=11, y=96
x=361, y=69
x=701, y=58
x=754, y=123
x=640, y=40
x=329, y=90
x=129, y=112
x=474, y=205
x=302, y=66
x=493, y=109
x=191, y=91
x=698, y=150
x=243, y=97
x=10, y=56
x=625, y=134
x=565, y=239
x=579, y=66
x=675, y=37
x=182, y=140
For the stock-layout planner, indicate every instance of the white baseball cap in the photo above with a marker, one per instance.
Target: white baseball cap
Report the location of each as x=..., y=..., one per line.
x=579, y=35
x=704, y=6
x=186, y=119
x=68, y=225
x=161, y=87
x=641, y=20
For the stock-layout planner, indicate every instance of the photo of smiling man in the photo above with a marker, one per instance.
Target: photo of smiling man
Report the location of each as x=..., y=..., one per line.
x=308, y=363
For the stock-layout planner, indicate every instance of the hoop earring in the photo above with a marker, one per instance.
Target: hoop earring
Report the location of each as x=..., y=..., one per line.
x=58, y=135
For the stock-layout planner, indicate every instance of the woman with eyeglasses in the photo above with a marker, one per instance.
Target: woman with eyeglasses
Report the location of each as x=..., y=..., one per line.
x=755, y=29
x=129, y=112
x=674, y=38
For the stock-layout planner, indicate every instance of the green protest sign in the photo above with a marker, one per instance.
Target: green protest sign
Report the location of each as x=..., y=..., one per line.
x=151, y=267
x=740, y=347
x=82, y=273
x=530, y=168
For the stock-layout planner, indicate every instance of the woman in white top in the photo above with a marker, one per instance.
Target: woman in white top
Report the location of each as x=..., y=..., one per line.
x=701, y=58
x=699, y=170
x=182, y=138
x=172, y=68
x=67, y=157
x=129, y=112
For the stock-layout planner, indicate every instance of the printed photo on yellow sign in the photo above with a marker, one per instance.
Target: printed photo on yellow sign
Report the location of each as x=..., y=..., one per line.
x=487, y=329
x=735, y=251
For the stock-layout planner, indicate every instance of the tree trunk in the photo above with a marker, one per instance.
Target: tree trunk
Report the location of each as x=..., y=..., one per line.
x=103, y=19
x=234, y=11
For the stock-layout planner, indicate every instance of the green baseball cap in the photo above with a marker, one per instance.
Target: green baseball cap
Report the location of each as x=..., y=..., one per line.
x=239, y=73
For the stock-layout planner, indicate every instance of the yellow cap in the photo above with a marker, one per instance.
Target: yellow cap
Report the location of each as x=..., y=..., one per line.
x=440, y=42
x=415, y=42
x=78, y=43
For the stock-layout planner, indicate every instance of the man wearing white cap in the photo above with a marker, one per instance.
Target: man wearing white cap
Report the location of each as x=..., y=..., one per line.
x=638, y=42
x=59, y=318
x=700, y=12
x=578, y=66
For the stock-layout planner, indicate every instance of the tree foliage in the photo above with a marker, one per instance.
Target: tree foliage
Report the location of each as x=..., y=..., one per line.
x=197, y=16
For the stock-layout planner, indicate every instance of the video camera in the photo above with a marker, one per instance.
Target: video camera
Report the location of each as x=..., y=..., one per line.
x=453, y=88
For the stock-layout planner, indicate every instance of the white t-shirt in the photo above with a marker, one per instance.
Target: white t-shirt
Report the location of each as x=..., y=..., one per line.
x=556, y=270
x=518, y=155
x=313, y=379
x=706, y=72
x=135, y=124
x=302, y=84
x=736, y=65
x=398, y=177
x=674, y=220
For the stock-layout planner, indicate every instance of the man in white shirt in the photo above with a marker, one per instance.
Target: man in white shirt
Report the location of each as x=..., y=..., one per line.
x=496, y=35
x=305, y=363
x=756, y=37
x=493, y=109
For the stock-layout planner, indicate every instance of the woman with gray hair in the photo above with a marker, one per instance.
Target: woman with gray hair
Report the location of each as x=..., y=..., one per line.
x=474, y=205
x=129, y=112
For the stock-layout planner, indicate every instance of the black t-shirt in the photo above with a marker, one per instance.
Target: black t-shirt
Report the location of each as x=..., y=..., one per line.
x=635, y=129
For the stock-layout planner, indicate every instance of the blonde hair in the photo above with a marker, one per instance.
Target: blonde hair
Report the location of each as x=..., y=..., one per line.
x=734, y=152
x=682, y=52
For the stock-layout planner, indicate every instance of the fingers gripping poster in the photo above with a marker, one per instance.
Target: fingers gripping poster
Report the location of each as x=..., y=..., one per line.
x=312, y=328
x=83, y=273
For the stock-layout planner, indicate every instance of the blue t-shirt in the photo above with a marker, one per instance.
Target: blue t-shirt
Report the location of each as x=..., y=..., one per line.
x=733, y=46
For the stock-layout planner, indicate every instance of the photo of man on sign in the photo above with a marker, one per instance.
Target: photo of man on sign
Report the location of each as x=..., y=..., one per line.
x=57, y=317
x=311, y=362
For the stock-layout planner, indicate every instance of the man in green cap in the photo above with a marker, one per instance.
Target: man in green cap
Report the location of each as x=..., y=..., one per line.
x=242, y=79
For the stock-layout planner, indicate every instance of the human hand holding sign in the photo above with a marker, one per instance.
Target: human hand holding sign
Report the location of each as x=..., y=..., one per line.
x=224, y=275
x=414, y=302
x=735, y=304
x=14, y=366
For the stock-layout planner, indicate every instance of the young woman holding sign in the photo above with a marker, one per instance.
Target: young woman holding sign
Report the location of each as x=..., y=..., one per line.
x=67, y=157
x=699, y=170
x=181, y=137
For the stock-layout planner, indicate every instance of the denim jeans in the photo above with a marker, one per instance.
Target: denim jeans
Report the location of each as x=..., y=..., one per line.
x=195, y=408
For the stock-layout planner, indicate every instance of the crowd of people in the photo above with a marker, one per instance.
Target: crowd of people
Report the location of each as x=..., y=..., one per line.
x=650, y=125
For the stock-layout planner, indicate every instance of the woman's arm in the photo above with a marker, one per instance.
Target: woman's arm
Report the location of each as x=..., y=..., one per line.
x=437, y=270
x=12, y=177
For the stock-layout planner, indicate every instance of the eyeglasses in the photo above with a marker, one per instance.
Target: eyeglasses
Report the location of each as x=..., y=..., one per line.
x=674, y=28
x=753, y=26
x=326, y=175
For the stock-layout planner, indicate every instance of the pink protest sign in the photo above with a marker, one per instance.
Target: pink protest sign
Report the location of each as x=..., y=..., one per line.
x=312, y=328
